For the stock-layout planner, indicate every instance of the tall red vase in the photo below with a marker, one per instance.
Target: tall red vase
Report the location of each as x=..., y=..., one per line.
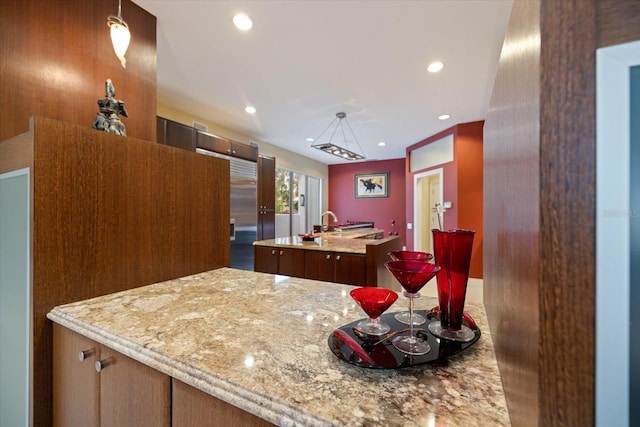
x=452, y=252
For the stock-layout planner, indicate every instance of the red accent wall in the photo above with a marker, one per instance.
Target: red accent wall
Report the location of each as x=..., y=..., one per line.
x=382, y=211
x=462, y=185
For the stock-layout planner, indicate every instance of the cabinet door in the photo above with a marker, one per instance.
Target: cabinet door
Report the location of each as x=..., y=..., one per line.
x=266, y=198
x=123, y=393
x=213, y=143
x=132, y=394
x=194, y=408
x=291, y=262
x=243, y=151
x=350, y=269
x=320, y=265
x=265, y=259
x=76, y=384
x=180, y=136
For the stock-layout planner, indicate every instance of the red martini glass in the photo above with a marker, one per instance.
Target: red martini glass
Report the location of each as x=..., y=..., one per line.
x=412, y=276
x=374, y=302
x=403, y=317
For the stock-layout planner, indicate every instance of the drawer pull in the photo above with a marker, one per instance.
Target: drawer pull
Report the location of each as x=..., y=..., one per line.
x=337, y=257
x=101, y=364
x=328, y=256
x=273, y=251
x=281, y=253
x=85, y=354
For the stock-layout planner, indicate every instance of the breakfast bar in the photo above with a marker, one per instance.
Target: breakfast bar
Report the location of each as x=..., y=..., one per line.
x=257, y=343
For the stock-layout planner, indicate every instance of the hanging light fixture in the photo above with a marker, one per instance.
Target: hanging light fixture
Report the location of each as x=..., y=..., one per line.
x=328, y=146
x=120, y=35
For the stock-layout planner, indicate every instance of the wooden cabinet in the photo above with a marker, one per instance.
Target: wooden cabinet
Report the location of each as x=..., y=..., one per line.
x=285, y=261
x=194, y=408
x=336, y=267
x=175, y=134
x=211, y=142
x=265, y=259
x=266, y=198
x=104, y=213
x=94, y=385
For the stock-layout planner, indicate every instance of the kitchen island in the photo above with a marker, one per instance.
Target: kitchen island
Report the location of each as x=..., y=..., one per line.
x=257, y=343
x=353, y=257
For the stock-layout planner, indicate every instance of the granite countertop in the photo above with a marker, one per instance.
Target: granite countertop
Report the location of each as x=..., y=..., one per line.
x=348, y=241
x=259, y=342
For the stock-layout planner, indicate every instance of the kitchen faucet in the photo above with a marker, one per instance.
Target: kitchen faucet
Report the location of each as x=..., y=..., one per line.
x=326, y=227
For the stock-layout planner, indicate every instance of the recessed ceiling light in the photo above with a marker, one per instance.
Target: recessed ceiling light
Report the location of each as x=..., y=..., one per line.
x=310, y=139
x=242, y=22
x=444, y=117
x=250, y=110
x=434, y=67
x=381, y=144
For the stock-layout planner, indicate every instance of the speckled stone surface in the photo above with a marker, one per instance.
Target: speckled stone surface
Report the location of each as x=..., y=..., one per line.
x=259, y=342
x=349, y=241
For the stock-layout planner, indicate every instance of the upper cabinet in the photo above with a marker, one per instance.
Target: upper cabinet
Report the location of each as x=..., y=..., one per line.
x=176, y=134
x=189, y=138
x=210, y=142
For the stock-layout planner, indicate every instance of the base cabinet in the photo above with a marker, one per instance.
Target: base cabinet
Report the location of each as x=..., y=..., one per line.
x=94, y=385
x=336, y=267
x=274, y=260
x=195, y=408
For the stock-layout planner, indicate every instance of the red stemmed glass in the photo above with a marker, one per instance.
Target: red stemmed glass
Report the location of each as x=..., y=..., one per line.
x=412, y=276
x=374, y=302
x=403, y=317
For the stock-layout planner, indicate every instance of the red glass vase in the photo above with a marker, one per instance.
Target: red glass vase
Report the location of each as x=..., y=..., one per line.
x=452, y=252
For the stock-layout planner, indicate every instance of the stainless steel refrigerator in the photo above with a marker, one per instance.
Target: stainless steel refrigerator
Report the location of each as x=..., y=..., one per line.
x=244, y=209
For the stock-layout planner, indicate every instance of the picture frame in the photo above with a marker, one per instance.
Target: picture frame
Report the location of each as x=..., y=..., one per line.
x=371, y=185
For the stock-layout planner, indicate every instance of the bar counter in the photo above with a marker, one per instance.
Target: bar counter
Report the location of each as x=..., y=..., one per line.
x=259, y=342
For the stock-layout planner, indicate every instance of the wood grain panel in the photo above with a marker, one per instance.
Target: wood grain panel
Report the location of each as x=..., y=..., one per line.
x=194, y=408
x=511, y=213
x=133, y=394
x=617, y=22
x=113, y=213
x=57, y=54
x=567, y=214
x=540, y=213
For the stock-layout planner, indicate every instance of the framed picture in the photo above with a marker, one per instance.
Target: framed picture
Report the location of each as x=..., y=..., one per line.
x=371, y=185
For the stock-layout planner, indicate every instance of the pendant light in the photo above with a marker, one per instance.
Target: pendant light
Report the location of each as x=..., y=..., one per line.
x=120, y=35
x=331, y=147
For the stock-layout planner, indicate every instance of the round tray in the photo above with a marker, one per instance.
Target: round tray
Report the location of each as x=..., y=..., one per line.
x=346, y=345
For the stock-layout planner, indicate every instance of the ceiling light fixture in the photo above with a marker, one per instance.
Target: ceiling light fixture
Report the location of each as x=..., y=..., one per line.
x=120, y=35
x=444, y=117
x=250, y=110
x=381, y=144
x=328, y=146
x=434, y=67
x=242, y=22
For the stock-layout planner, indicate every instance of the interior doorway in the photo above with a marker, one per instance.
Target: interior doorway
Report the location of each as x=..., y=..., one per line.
x=427, y=191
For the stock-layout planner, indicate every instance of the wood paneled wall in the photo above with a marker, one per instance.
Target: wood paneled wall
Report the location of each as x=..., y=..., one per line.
x=57, y=54
x=112, y=213
x=539, y=205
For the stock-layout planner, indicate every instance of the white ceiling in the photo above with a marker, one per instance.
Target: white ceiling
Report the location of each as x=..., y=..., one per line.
x=305, y=60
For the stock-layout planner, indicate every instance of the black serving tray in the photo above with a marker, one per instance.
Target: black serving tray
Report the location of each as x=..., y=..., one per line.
x=385, y=355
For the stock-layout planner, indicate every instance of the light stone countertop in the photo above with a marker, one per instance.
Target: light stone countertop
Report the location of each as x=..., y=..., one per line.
x=348, y=241
x=259, y=342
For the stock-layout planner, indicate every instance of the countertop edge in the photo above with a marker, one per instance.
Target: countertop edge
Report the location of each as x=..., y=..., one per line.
x=252, y=402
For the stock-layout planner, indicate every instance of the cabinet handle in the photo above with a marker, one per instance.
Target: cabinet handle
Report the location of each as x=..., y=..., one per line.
x=273, y=251
x=337, y=257
x=281, y=253
x=85, y=354
x=101, y=364
x=328, y=256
